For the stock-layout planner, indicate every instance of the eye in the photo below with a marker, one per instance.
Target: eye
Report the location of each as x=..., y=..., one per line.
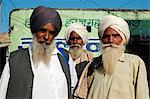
x=71, y=38
x=78, y=38
x=115, y=35
x=52, y=33
x=105, y=36
x=42, y=30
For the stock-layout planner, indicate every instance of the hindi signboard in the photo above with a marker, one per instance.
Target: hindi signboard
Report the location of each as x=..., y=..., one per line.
x=21, y=37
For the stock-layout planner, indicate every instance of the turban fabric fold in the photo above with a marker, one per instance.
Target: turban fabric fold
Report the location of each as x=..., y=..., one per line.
x=42, y=16
x=116, y=23
x=79, y=29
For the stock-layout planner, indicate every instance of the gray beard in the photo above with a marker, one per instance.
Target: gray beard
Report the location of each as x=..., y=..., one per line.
x=75, y=51
x=110, y=55
x=41, y=52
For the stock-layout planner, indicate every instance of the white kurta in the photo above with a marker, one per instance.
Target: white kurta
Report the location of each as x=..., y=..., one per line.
x=49, y=81
x=129, y=80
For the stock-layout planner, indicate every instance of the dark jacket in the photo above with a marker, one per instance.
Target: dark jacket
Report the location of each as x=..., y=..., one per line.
x=21, y=75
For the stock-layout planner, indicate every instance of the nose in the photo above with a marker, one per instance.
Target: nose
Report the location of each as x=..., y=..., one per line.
x=75, y=40
x=110, y=39
x=46, y=36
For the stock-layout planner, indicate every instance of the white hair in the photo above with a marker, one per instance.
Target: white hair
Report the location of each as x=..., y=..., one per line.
x=111, y=54
x=41, y=52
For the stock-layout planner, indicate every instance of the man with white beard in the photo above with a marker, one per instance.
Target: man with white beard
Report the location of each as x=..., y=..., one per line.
x=40, y=71
x=76, y=36
x=115, y=74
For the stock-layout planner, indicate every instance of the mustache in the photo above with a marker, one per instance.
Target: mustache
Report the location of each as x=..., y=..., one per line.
x=45, y=42
x=75, y=46
x=110, y=45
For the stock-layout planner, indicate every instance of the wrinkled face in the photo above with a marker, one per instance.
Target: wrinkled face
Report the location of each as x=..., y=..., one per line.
x=75, y=39
x=111, y=36
x=45, y=34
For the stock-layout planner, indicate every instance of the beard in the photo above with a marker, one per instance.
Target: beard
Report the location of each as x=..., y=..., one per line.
x=111, y=53
x=41, y=52
x=75, y=51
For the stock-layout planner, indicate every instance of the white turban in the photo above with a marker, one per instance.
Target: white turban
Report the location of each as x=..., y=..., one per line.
x=79, y=29
x=116, y=23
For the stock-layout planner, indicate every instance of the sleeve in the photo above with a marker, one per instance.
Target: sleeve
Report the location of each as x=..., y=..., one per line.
x=141, y=86
x=73, y=74
x=4, y=81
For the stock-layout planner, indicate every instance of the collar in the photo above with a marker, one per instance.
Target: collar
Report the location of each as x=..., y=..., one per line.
x=122, y=58
x=98, y=60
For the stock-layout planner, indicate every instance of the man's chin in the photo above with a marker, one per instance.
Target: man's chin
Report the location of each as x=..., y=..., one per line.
x=75, y=52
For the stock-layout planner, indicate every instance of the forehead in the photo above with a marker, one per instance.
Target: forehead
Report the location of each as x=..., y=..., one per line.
x=74, y=34
x=110, y=31
x=49, y=26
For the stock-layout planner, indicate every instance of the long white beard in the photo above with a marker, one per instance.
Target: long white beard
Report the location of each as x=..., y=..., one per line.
x=75, y=51
x=110, y=55
x=41, y=52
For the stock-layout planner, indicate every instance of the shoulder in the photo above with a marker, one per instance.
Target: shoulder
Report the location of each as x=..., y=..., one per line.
x=90, y=56
x=132, y=57
x=18, y=52
x=64, y=53
x=96, y=62
x=62, y=50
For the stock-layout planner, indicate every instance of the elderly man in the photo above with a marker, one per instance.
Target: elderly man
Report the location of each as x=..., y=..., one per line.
x=40, y=71
x=76, y=36
x=115, y=74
